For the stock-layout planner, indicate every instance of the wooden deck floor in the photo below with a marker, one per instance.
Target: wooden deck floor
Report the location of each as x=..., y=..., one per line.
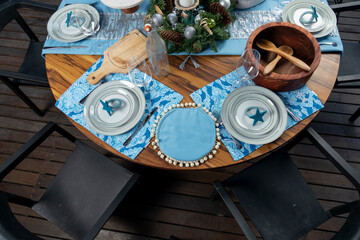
x=167, y=203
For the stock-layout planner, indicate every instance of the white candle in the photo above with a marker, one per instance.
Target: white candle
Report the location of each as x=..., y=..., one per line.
x=187, y=3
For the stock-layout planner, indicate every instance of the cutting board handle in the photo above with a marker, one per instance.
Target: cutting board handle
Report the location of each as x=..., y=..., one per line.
x=95, y=77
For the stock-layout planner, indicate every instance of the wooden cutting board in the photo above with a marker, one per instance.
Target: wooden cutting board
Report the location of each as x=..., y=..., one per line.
x=117, y=56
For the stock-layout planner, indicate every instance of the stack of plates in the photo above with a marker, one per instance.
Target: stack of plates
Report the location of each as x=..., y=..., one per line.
x=240, y=126
x=326, y=17
x=59, y=30
x=121, y=120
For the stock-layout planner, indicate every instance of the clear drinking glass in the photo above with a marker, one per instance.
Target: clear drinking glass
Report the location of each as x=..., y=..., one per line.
x=248, y=66
x=139, y=72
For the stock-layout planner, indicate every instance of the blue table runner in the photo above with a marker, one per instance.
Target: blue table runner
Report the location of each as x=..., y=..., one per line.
x=302, y=102
x=115, y=25
x=159, y=95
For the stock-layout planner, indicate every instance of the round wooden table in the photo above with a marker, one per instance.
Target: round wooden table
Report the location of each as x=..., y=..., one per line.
x=63, y=70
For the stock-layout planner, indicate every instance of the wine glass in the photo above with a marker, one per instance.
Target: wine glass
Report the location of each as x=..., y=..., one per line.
x=139, y=72
x=248, y=66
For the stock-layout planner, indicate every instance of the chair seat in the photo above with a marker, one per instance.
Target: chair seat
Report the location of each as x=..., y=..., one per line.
x=34, y=63
x=277, y=199
x=349, y=64
x=82, y=191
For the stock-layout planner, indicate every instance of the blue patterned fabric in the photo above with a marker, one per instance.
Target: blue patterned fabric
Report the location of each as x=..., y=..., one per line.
x=158, y=95
x=302, y=102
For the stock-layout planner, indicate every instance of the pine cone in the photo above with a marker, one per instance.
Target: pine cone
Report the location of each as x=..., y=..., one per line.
x=172, y=36
x=197, y=46
x=169, y=5
x=215, y=8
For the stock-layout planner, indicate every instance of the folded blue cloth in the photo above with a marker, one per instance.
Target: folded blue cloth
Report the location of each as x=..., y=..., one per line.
x=159, y=96
x=302, y=102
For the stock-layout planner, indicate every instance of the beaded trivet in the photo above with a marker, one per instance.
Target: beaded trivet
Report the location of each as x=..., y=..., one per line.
x=186, y=138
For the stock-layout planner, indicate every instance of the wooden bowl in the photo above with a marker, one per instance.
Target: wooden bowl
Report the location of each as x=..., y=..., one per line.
x=286, y=76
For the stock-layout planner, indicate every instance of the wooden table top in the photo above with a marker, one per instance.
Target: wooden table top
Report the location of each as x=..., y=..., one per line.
x=63, y=70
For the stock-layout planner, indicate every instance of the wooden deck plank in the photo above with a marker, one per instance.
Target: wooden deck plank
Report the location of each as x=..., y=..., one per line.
x=165, y=203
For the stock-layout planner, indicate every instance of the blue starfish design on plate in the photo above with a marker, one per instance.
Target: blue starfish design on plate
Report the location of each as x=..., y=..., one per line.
x=258, y=116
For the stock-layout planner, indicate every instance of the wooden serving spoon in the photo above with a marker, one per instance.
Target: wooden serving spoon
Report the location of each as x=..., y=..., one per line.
x=269, y=46
x=270, y=67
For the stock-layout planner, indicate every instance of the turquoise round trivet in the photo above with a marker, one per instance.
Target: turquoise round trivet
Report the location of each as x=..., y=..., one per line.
x=186, y=136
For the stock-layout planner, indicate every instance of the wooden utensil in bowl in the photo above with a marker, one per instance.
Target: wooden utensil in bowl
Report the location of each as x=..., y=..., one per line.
x=269, y=46
x=285, y=76
x=270, y=67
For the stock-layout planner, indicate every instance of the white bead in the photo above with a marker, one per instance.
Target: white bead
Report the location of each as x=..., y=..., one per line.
x=156, y=121
x=174, y=163
x=186, y=104
x=162, y=114
x=215, y=119
x=162, y=156
x=170, y=108
x=202, y=160
x=167, y=158
x=214, y=151
x=217, y=125
x=153, y=143
x=187, y=165
x=178, y=105
x=205, y=158
x=181, y=105
x=193, y=104
x=174, y=106
x=199, y=105
x=197, y=163
x=204, y=108
x=159, y=153
x=156, y=140
x=158, y=117
x=154, y=125
x=218, y=138
x=181, y=165
x=170, y=162
x=217, y=129
x=152, y=135
x=216, y=146
x=210, y=156
x=166, y=110
x=155, y=147
x=192, y=164
x=217, y=134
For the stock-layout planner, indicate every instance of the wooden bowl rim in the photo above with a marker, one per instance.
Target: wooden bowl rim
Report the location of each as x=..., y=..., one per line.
x=278, y=76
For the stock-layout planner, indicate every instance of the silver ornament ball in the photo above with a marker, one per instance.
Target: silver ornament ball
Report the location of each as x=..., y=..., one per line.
x=189, y=32
x=197, y=18
x=172, y=18
x=157, y=19
x=225, y=3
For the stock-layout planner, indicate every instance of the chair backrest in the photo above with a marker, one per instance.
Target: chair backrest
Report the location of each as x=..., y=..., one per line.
x=8, y=12
x=10, y=228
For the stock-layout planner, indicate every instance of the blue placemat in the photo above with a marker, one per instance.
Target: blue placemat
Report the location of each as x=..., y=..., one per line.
x=115, y=25
x=302, y=102
x=159, y=95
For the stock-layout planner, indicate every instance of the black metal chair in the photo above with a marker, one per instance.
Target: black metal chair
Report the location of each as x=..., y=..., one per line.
x=79, y=200
x=278, y=201
x=349, y=73
x=32, y=71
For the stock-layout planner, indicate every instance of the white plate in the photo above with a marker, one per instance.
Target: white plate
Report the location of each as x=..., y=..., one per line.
x=57, y=26
x=272, y=128
x=243, y=123
x=121, y=4
x=327, y=15
x=117, y=124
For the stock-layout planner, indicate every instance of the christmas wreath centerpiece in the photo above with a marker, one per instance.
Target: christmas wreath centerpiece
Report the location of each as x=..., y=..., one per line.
x=190, y=25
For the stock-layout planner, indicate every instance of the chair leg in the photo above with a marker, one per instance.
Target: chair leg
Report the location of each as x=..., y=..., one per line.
x=355, y=115
x=22, y=95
